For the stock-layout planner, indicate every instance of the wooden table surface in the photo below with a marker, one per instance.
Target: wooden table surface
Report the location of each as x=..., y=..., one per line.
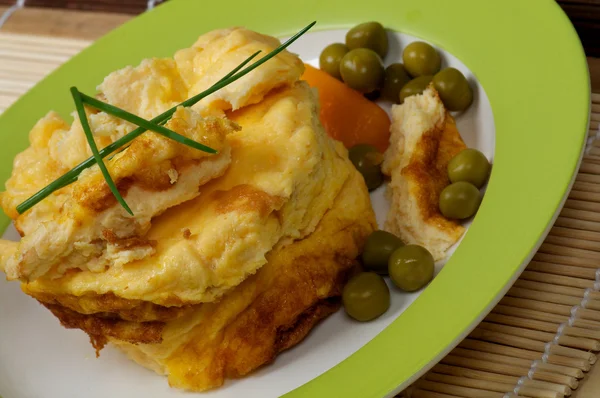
x=91, y=25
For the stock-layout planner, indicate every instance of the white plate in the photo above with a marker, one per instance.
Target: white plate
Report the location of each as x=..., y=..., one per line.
x=39, y=358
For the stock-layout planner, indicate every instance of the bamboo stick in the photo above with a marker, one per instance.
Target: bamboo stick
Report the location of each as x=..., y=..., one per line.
x=37, y=57
x=593, y=305
x=545, y=296
x=487, y=356
x=21, y=38
x=430, y=394
x=572, y=352
x=544, y=385
x=471, y=383
x=587, y=196
x=580, y=214
x=528, y=390
x=587, y=178
x=458, y=390
x=551, y=308
x=35, y=48
x=556, y=280
x=567, y=341
x=595, y=108
x=566, y=260
x=529, y=344
x=563, y=270
x=532, y=324
x=550, y=288
x=530, y=314
x=575, y=233
x=474, y=374
x=456, y=371
x=569, y=251
x=30, y=77
x=592, y=315
x=586, y=324
x=535, y=393
x=586, y=186
x=28, y=66
x=486, y=366
x=595, y=98
x=573, y=242
x=577, y=224
x=581, y=332
x=568, y=381
x=485, y=346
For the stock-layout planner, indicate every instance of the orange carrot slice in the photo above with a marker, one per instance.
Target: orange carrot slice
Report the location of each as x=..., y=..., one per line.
x=346, y=115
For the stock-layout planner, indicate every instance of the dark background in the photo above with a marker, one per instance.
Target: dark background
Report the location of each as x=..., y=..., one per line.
x=585, y=14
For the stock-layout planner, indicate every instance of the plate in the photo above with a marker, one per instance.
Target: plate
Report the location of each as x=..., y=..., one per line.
x=533, y=92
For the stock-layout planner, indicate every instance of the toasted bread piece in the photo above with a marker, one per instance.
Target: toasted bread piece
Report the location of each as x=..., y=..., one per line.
x=424, y=139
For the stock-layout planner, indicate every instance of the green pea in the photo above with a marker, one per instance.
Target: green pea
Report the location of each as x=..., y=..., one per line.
x=469, y=165
x=366, y=296
x=377, y=251
x=411, y=267
x=331, y=57
x=459, y=200
x=369, y=35
x=421, y=59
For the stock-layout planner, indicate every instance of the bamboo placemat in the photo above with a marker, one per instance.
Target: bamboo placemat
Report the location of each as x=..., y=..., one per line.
x=542, y=337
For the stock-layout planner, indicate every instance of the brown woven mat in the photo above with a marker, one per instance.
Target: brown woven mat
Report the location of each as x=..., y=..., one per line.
x=533, y=343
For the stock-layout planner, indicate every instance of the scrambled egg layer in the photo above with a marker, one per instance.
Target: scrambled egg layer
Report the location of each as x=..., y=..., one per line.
x=423, y=141
x=284, y=175
x=270, y=311
x=83, y=227
x=282, y=160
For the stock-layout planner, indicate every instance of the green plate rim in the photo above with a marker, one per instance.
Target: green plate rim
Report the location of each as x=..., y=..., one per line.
x=516, y=49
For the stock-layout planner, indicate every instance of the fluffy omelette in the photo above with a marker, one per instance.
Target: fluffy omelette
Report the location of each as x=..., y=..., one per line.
x=229, y=258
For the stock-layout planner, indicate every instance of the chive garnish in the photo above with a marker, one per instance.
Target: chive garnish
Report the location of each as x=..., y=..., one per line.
x=90, y=139
x=232, y=76
x=140, y=122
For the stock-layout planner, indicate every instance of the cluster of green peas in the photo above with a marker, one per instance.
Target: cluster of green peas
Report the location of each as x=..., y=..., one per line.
x=410, y=267
x=359, y=63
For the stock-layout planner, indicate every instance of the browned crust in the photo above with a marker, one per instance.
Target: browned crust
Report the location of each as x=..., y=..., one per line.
x=109, y=304
x=246, y=198
x=99, y=328
x=290, y=335
x=126, y=243
x=428, y=173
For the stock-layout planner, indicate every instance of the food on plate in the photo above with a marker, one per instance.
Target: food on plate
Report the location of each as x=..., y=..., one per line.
x=83, y=227
x=347, y=115
x=377, y=251
x=395, y=78
x=355, y=63
x=459, y=200
x=369, y=35
x=421, y=59
x=469, y=165
x=411, y=267
x=423, y=141
x=414, y=87
x=366, y=296
x=269, y=312
x=362, y=70
x=367, y=160
x=453, y=88
x=331, y=57
x=228, y=258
